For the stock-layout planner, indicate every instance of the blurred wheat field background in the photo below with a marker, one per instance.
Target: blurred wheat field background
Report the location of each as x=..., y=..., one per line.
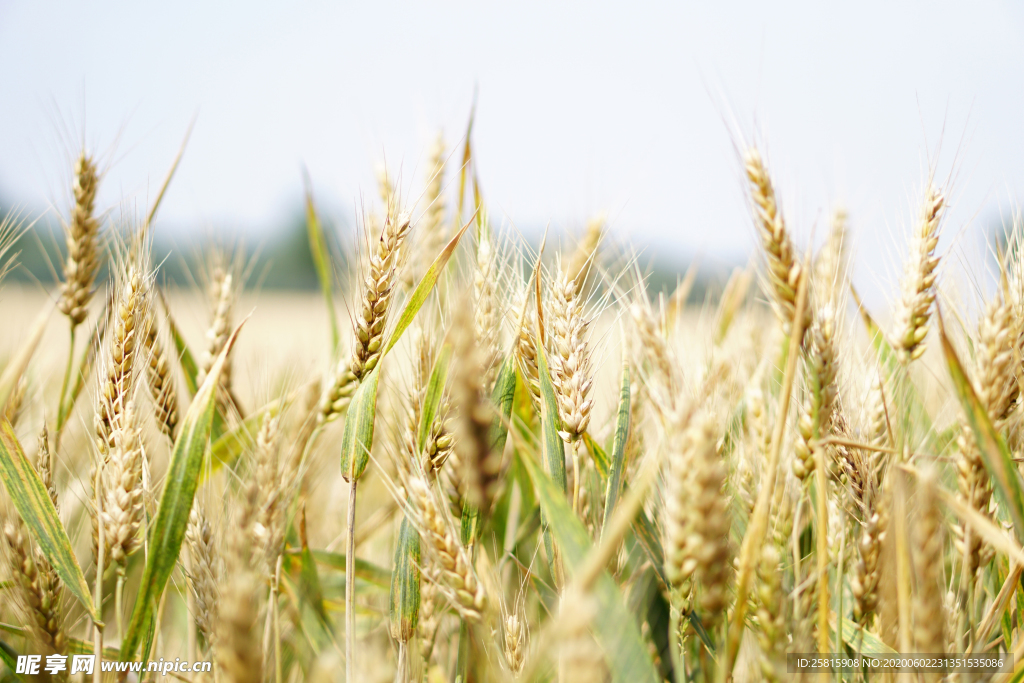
x=468, y=458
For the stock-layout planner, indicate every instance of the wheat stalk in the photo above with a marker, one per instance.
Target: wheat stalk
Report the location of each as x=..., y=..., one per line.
x=927, y=552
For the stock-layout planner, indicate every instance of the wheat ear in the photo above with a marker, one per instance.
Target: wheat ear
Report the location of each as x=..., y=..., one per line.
x=571, y=372
x=709, y=522
x=816, y=415
x=784, y=269
x=375, y=301
x=82, y=237
x=526, y=346
x=160, y=381
x=516, y=637
x=38, y=586
x=271, y=482
x=913, y=309
x=771, y=618
x=486, y=318
x=997, y=389
x=457, y=578
x=831, y=262
x=222, y=297
x=16, y=403
x=41, y=589
x=204, y=571
x=117, y=378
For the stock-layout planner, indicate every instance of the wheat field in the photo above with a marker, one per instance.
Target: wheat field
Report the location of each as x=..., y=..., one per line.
x=468, y=458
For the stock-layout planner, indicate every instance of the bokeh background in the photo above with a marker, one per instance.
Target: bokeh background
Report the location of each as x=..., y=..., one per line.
x=633, y=109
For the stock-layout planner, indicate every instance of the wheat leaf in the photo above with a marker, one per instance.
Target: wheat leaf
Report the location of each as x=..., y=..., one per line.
x=28, y=493
x=615, y=627
x=618, y=448
x=365, y=570
x=552, y=451
x=357, y=438
x=433, y=394
x=404, y=603
x=502, y=397
x=423, y=289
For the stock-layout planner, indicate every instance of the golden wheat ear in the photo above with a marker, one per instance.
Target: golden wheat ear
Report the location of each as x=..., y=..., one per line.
x=82, y=238
x=784, y=267
x=917, y=288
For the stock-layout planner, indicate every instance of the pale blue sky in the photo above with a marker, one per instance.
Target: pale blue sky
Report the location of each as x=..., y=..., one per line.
x=631, y=108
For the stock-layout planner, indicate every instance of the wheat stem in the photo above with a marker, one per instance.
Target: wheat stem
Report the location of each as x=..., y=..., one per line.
x=67, y=377
x=118, y=597
x=98, y=590
x=350, y=573
x=277, y=619
x=821, y=536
